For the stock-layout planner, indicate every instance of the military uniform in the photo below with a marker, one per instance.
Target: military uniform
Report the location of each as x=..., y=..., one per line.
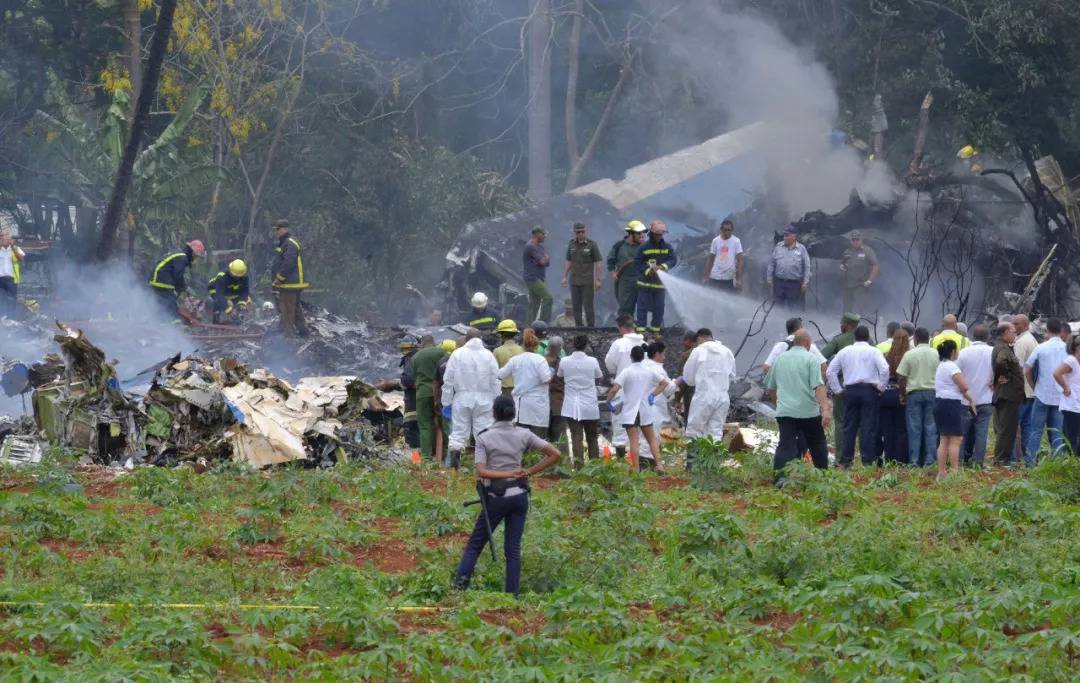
x=840, y=341
x=621, y=259
x=425, y=366
x=582, y=257
x=857, y=265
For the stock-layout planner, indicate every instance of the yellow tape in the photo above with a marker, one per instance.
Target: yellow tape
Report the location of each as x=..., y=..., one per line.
x=204, y=605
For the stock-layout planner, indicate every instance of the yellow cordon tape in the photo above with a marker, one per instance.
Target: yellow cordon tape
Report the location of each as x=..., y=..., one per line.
x=203, y=605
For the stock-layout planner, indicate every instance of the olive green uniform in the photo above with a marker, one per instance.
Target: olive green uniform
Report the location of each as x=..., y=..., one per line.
x=857, y=265
x=425, y=364
x=840, y=341
x=621, y=259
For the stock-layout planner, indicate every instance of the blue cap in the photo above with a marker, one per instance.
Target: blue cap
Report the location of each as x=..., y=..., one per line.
x=789, y=229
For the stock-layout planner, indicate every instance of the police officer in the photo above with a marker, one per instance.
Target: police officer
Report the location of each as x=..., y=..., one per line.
x=505, y=486
x=230, y=290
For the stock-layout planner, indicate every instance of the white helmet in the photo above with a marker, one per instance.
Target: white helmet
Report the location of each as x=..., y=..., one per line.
x=479, y=300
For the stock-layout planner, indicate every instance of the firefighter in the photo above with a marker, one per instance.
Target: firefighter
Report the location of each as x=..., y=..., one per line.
x=409, y=345
x=622, y=262
x=289, y=282
x=654, y=256
x=482, y=316
x=167, y=279
x=230, y=291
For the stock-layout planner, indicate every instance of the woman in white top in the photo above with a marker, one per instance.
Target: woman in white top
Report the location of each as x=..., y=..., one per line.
x=1067, y=376
x=531, y=374
x=580, y=372
x=949, y=388
x=640, y=386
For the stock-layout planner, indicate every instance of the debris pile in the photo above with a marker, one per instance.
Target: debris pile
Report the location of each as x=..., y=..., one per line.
x=203, y=411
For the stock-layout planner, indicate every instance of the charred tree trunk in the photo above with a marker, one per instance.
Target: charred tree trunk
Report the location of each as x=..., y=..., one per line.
x=138, y=126
x=539, y=103
x=915, y=167
x=133, y=36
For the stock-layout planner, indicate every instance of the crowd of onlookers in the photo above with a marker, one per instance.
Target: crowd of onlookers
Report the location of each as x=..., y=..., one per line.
x=919, y=398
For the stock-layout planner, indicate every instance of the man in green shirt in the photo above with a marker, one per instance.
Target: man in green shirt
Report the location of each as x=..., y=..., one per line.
x=860, y=267
x=917, y=371
x=425, y=364
x=621, y=261
x=508, y=331
x=846, y=338
x=802, y=407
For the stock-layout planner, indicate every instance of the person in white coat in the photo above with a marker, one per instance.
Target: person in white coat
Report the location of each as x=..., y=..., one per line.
x=617, y=360
x=640, y=386
x=655, y=356
x=710, y=369
x=470, y=385
x=580, y=407
x=532, y=375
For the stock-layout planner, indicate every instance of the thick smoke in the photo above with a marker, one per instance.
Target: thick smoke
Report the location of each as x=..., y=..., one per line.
x=756, y=74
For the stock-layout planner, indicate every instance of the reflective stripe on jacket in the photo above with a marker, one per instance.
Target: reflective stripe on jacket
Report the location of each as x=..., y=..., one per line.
x=288, y=265
x=229, y=287
x=665, y=258
x=169, y=272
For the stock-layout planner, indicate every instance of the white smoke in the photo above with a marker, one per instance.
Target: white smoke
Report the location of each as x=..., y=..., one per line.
x=756, y=74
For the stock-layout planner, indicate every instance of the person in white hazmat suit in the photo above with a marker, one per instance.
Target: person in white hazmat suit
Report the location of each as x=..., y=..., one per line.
x=532, y=376
x=616, y=360
x=710, y=369
x=470, y=385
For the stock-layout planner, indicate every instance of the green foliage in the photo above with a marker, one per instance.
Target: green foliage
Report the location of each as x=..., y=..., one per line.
x=1060, y=476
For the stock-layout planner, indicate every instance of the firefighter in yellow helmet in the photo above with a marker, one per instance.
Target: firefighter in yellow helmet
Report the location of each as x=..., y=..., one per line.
x=621, y=263
x=289, y=282
x=230, y=291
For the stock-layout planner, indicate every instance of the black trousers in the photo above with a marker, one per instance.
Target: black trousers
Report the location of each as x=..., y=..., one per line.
x=722, y=284
x=9, y=292
x=860, y=421
x=1071, y=427
x=892, y=434
x=1006, y=425
x=590, y=429
x=512, y=509
x=582, y=299
x=794, y=432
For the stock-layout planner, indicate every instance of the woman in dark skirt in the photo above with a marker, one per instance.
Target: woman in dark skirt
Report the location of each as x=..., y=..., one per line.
x=949, y=388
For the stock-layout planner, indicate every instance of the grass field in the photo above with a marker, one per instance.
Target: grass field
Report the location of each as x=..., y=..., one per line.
x=876, y=574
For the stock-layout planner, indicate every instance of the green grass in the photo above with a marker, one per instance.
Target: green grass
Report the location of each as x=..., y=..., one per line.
x=870, y=574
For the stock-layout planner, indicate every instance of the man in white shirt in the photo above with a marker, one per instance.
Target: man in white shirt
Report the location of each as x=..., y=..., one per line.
x=978, y=370
x=470, y=385
x=10, y=257
x=616, y=360
x=1023, y=347
x=793, y=325
x=865, y=375
x=724, y=268
x=1039, y=372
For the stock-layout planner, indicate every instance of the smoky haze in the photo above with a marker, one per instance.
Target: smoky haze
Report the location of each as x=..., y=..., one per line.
x=754, y=73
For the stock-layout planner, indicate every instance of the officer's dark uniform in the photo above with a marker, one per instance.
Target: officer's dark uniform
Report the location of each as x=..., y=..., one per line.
x=650, y=290
x=501, y=447
x=227, y=291
x=408, y=385
x=484, y=319
x=167, y=278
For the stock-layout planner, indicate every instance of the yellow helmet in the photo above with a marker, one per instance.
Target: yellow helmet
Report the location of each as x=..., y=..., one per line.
x=448, y=345
x=966, y=152
x=507, y=326
x=636, y=226
x=238, y=268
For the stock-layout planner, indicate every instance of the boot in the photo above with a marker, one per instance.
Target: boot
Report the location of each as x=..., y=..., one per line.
x=452, y=460
x=620, y=453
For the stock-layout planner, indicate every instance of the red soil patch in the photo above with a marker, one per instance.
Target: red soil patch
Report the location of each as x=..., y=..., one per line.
x=386, y=526
x=1012, y=630
x=455, y=539
x=433, y=485
x=391, y=556
x=274, y=552
x=344, y=509
x=102, y=485
x=888, y=496
x=216, y=630
x=324, y=644
x=419, y=622
x=515, y=620
x=17, y=486
x=781, y=621
x=541, y=483
x=72, y=550
x=665, y=483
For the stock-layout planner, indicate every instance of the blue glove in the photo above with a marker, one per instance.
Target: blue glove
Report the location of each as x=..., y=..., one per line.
x=652, y=399
x=446, y=412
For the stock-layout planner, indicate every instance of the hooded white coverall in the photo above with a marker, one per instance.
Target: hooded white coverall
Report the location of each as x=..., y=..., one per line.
x=470, y=385
x=710, y=369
